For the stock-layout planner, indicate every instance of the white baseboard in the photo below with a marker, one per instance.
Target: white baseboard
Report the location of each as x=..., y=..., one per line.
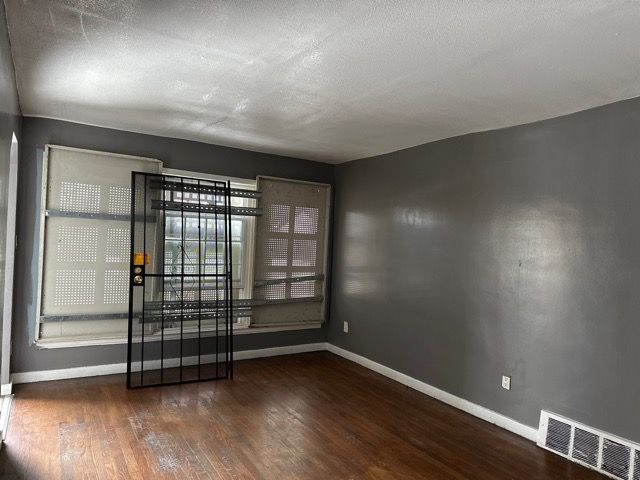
x=65, y=373
x=5, y=389
x=275, y=351
x=490, y=416
x=114, y=368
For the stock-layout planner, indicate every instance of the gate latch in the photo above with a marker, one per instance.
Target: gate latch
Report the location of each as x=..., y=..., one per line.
x=140, y=260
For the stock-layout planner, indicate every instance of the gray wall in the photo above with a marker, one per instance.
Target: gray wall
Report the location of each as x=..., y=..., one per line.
x=514, y=251
x=181, y=154
x=9, y=123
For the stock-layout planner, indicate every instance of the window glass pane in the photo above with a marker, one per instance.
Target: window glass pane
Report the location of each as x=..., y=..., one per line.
x=236, y=230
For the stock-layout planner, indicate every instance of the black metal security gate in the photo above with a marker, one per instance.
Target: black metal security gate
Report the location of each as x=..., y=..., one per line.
x=181, y=306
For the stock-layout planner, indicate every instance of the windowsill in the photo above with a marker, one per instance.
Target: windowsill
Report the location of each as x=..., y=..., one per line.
x=68, y=342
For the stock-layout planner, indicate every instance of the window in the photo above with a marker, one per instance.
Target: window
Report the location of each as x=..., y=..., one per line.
x=85, y=252
x=199, y=240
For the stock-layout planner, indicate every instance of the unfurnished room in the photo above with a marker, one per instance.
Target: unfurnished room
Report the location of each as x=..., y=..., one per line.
x=323, y=239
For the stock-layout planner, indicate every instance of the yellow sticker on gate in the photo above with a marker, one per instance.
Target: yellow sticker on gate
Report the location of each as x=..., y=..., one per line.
x=141, y=258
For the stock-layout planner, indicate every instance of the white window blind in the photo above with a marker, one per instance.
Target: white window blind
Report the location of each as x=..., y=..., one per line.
x=85, y=235
x=291, y=242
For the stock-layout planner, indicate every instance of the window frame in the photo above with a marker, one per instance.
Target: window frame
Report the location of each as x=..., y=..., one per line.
x=9, y=258
x=249, y=224
x=245, y=290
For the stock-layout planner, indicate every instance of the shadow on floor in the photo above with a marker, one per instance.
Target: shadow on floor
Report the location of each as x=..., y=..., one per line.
x=9, y=466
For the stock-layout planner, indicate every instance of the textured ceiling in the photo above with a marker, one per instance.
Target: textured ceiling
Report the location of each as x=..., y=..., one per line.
x=325, y=80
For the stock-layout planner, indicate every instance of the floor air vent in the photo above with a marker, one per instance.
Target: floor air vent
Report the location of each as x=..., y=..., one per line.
x=558, y=436
x=616, y=459
x=585, y=447
x=613, y=456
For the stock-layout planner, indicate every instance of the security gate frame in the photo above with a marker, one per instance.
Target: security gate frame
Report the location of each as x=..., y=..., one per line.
x=174, y=286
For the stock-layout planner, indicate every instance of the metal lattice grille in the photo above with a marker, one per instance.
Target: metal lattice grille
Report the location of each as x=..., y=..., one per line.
x=636, y=471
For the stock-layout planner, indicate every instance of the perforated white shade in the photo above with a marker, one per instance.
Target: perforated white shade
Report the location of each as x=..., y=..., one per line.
x=85, y=268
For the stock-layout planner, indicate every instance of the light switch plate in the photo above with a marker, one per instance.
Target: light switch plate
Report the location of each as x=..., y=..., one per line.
x=506, y=382
x=345, y=327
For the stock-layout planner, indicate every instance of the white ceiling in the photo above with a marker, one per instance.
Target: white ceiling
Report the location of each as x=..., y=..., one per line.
x=324, y=80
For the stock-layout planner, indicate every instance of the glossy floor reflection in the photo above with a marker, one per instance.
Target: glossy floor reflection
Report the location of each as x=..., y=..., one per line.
x=307, y=416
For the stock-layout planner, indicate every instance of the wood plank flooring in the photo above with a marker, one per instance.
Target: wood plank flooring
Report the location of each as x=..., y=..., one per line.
x=307, y=416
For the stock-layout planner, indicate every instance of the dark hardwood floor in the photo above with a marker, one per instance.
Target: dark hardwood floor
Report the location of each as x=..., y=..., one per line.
x=308, y=416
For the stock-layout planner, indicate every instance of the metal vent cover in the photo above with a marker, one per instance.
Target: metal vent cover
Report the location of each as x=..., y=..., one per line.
x=585, y=447
x=558, y=436
x=616, y=458
x=610, y=455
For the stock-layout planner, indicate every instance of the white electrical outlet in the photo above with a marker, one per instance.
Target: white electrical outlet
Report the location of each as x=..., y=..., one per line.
x=506, y=382
x=345, y=327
